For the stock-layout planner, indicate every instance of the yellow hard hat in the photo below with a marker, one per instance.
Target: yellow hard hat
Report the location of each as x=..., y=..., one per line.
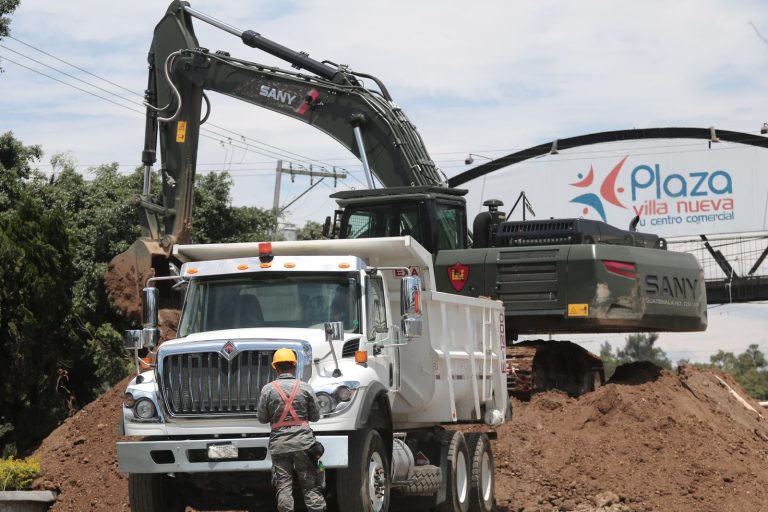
x=283, y=355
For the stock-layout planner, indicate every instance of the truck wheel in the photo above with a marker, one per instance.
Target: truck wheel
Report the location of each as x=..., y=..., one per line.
x=153, y=492
x=456, y=478
x=364, y=485
x=481, y=471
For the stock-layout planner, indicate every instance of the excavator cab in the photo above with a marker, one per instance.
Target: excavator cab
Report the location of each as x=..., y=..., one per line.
x=436, y=217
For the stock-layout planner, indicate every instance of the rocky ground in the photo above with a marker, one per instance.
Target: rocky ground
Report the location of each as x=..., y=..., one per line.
x=648, y=440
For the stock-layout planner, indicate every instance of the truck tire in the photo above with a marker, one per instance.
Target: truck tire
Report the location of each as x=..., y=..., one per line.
x=482, y=473
x=153, y=492
x=456, y=477
x=365, y=484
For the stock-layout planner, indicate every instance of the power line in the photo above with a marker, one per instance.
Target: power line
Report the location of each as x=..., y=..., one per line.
x=74, y=66
x=226, y=139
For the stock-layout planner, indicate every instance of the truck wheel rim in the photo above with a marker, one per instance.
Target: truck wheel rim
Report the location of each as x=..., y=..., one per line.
x=486, y=478
x=462, y=483
x=377, y=482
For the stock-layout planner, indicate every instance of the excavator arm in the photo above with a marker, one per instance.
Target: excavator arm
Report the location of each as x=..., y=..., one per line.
x=333, y=99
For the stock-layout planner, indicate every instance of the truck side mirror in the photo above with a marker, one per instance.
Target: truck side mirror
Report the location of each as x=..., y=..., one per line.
x=410, y=306
x=149, y=336
x=136, y=339
x=150, y=298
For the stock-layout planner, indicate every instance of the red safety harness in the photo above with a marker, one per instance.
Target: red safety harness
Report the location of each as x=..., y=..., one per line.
x=288, y=409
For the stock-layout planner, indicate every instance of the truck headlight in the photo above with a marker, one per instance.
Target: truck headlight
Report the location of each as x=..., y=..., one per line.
x=145, y=409
x=325, y=402
x=334, y=398
x=344, y=393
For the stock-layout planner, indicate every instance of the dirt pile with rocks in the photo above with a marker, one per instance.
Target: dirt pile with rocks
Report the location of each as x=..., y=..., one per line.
x=648, y=440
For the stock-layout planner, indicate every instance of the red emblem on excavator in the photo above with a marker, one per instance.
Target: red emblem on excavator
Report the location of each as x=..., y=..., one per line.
x=458, y=275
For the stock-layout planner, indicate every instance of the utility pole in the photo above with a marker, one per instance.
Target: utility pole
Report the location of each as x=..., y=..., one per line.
x=312, y=173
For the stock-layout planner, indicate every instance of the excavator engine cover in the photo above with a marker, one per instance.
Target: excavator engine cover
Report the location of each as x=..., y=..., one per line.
x=581, y=288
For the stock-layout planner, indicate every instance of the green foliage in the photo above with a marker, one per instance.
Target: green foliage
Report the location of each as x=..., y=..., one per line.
x=60, y=342
x=610, y=362
x=749, y=369
x=18, y=474
x=6, y=7
x=311, y=231
x=640, y=347
x=637, y=347
x=15, y=168
x=35, y=301
x=215, y=220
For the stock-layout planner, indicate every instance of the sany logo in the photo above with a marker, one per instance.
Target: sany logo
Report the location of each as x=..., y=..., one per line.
x=608, y=191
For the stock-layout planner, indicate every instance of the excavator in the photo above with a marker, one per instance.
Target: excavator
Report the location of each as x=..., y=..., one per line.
x=554, y=276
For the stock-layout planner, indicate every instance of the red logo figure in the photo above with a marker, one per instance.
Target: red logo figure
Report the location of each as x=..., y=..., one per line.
x=458, y=275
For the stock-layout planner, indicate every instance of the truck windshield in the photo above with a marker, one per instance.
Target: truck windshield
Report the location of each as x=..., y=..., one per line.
x=271, y=300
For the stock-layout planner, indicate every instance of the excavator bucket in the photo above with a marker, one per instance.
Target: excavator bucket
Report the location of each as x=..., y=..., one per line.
x=128, y=272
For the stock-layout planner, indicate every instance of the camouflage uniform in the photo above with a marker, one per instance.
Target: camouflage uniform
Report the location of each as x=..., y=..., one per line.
x=288, y=445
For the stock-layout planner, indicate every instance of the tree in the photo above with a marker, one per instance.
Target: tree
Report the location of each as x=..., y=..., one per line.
x=749, y=369
x=16, y=168
x=311, y=231
x=609, y=359
x=35, y=302
x=215, y=220
x=639, y=347
x=6, y=8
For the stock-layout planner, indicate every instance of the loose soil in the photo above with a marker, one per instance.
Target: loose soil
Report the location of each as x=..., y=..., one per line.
x=648, y=440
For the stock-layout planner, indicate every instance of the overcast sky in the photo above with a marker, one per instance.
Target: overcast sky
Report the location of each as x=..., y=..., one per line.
x=487, y=78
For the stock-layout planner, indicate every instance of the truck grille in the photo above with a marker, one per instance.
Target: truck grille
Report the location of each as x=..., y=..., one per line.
x=207, y=383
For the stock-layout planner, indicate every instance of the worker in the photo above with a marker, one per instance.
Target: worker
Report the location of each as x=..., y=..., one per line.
x=289, y=405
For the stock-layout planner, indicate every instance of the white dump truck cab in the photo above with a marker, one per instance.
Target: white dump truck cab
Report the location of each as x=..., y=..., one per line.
x=390, y=361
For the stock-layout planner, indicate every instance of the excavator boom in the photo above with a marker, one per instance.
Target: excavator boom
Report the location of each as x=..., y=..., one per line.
x=333, y=99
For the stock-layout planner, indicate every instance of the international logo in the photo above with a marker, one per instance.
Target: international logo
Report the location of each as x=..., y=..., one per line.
x=458, y=275
x=229, y=350
x=609, y=192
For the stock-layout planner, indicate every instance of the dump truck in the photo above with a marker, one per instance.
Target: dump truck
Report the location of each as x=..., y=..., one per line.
x=390, y=358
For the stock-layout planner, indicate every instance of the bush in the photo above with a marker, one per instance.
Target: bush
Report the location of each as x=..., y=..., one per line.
x=17, y=474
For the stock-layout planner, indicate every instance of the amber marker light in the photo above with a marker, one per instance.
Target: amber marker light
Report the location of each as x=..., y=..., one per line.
x=243, y=266
x=265, y=265
x=289, y=265
x=361, y=356
x=343, y=265
x=192, y=270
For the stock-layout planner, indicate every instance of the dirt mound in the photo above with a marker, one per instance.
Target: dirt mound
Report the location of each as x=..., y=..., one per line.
x=79, y=459
x=649, y=440
x=674, y=442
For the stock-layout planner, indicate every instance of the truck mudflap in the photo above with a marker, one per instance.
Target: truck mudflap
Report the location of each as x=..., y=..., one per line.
x=207, y=455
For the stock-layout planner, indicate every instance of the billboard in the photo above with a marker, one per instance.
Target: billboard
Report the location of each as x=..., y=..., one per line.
x=679, y=187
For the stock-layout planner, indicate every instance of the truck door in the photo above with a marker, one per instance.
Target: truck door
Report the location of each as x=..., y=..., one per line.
x=383, y=359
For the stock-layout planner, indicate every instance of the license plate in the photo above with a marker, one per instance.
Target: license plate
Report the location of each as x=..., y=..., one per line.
x=222, y=451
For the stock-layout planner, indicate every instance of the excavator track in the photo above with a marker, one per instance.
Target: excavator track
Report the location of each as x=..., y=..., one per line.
x=540, y=365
